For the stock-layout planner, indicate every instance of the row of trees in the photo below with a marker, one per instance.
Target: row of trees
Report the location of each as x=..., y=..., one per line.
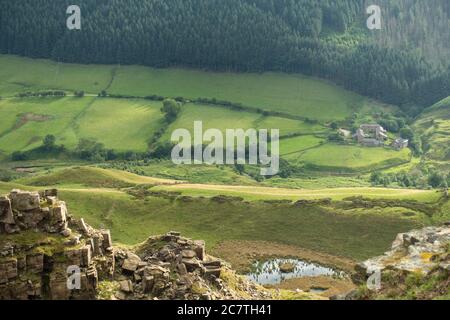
x=241, y=35
x=417, y=179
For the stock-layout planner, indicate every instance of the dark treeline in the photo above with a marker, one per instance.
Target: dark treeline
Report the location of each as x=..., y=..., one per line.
x=311, y=37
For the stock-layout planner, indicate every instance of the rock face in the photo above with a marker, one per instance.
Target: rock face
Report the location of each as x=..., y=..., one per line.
x=421, y=254
x=46, y=254
x=37, y=249
x=416, y=251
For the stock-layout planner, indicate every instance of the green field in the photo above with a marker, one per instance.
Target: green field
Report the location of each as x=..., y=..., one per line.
x=269, y=193
x=22, y=74
x=340, y=157
x=292, y=94
x=291, y=146
x=222, y=119
x=123, y=125
x=130, y=124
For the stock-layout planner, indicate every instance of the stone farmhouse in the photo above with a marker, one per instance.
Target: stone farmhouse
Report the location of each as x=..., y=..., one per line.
x=400, y=143
x=371, y=135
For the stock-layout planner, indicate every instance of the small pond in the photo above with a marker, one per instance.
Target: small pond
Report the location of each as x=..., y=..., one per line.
x=268, y=272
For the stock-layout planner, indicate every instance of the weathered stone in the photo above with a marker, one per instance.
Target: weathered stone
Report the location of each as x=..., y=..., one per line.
x=8, y=270
x=35, y=263
x=33, y=218
x=181, y=268
x=97, y=245
x=74, y=257
x=21, y=263
x=188, y=254
x=120, y=295
x=130, y=265
x=58, y=289
x=191, y=264
x=126, y=286
x=24, y=200
x=85, y=256
x=213, y=263
x=200, y=249
x=6, y=214
x=58, y=213
x=107, y=241
x=147, y=283
x=214, y=271
x=52, y=201
x=10, y=228
x=159, y=286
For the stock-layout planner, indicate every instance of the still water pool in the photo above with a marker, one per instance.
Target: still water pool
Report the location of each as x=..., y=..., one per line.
x=268, y=272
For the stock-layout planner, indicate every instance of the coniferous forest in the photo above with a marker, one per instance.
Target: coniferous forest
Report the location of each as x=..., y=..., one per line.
x=324, y=38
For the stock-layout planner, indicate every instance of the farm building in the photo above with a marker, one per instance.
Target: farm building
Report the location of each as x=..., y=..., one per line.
x=400, y=143
x=371, y=135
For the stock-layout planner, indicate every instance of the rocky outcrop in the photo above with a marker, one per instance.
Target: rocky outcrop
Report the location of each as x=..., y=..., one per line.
x=46, y=254
x=174, y=267
x=38, y=248
x=417, y=266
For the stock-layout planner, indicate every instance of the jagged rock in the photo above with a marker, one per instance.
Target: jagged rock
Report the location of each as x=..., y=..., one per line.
x=24, y=200
x=8, y=270
x=35, y=263
x=126, y=286
x=6, y=214
x=97, y=245
x=58, y=214
x=52, y=201
x=85, y=256
x=414, y=251
x=131, y=264
x=212, y=271
x=188, y=254
x=181, y=268
x=147, y=284
x=32, y=219
x=107, y=241
x=200, y=249
x=58, y=289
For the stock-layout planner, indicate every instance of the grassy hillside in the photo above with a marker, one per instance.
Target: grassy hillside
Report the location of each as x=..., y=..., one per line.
x=349, y=233
x=266, y=193
x=90, y=177
x=222, y=119
x=434, y=126
x=334, y=157
x=122, y=125
x=292, y=94
x=117, y=200
x=22, y=74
